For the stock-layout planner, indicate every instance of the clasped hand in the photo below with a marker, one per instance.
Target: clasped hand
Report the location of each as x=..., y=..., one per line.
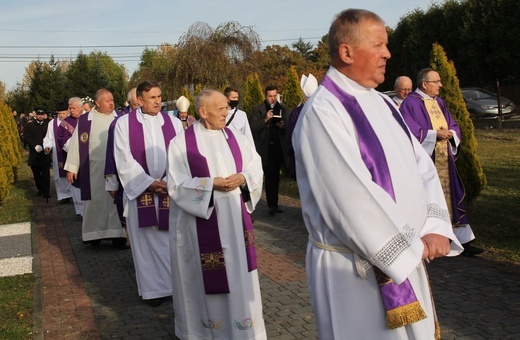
x=444, y=134
x=229, y=183
x=159, y=187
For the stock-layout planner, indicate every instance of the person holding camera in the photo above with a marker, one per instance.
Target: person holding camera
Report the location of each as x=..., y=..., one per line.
x=268, y=122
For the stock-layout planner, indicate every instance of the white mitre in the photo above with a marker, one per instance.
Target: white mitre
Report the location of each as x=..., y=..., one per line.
x=183, y=104
x=308, y=84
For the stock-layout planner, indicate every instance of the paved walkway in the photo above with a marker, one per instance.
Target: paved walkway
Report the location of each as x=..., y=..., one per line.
x=90, y=292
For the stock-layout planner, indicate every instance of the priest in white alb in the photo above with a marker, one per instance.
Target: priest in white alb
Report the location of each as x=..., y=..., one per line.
x=371, y=198
x=86, y=164
x=141, y=140
x=215, y=182
x=50, y=144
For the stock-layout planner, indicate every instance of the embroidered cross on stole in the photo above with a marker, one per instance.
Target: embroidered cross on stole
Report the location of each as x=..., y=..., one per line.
x=441, y=160
x=211, y=253
x=146, y=211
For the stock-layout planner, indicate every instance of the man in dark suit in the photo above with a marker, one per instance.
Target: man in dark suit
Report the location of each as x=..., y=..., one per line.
x=39, y=161
x=268, y=122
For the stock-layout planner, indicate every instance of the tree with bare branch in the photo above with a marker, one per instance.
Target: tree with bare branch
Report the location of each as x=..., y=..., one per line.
x=215, y=57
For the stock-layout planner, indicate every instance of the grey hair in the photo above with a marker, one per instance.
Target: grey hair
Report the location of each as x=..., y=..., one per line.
x=202, y=97
x=345, y=28
x=75, y=100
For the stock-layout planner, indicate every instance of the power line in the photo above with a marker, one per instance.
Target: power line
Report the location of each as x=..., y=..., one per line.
x=126, y=46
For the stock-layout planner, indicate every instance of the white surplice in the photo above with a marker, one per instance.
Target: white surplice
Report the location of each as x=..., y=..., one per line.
x=150, y=246
x=240, y=123
x=63, y=186
x=100, y=219
x=237, y=315
x=342, y=207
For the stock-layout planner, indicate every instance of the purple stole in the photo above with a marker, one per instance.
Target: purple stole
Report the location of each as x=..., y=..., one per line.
x=68, y=125
x=57, y=149
x=400, y=302
x=211, y=253
x=84, y=125
x=146, y=212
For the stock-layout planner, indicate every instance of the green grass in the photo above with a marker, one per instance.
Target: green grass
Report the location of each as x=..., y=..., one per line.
x=16, y=306
x=17, y=292
x=494, y=214
x=17, y=207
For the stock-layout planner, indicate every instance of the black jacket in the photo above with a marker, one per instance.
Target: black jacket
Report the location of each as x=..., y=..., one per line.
x=260, y=129
x=34, y=134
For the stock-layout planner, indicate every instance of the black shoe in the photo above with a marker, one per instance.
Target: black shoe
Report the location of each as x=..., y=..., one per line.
x=470, y=250
x=120, y=243
x=274, y=210
x=155, y=302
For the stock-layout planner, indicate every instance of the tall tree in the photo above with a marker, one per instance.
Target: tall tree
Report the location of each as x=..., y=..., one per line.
x=491, y=40
x=273, y=62
x=89, y=73
x=10, y=153
x=321, y=55
x=304, y=48
x=159, y=65
x=468, y=163
x=253, y=93
x=293, y=94
x=213, y=58
x=3, y=92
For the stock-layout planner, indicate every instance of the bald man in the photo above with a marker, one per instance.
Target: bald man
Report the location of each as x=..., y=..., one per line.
x=402, y=86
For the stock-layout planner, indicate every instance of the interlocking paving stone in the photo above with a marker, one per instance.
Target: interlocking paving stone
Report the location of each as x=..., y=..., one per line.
x=475, y=298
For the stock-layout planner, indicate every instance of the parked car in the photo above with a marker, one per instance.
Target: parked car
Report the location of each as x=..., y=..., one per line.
x=482, y=103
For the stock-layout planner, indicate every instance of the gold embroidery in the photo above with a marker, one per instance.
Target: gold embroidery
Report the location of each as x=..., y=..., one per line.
x=84, y=137
x=165, y=202
x=441, y=149
x=146, y=199
x=210, y=261
x=249, y=238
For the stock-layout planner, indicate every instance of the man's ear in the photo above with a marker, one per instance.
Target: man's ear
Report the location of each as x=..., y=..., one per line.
x=202, y=112
x=346, y=53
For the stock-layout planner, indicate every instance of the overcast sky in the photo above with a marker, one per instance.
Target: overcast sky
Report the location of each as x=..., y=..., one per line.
x=123, y=28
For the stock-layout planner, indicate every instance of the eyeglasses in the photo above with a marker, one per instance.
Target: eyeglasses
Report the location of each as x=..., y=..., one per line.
x=404, y=89
x=433, y=81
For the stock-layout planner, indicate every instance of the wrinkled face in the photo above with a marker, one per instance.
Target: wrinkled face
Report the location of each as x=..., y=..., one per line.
x=370, y=55
x=76, y=109
x=432, y=85
x=214, y=112
x=63, y=114
x=271, y=97
x=105, y=104
x=150, y=101
x=403, y=88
